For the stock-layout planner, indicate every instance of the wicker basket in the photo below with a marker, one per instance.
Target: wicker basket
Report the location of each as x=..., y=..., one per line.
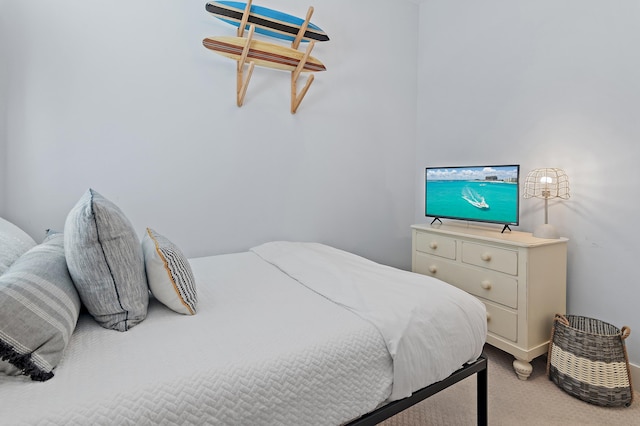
x=588, y=359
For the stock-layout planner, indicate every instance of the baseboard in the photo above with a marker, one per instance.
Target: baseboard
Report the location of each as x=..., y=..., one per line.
x=635, y=376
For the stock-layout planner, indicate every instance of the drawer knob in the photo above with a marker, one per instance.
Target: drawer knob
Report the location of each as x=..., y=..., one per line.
x=433, y=245
x=486, y=256
x=486, y=284
x=433, y=269
x=488, y=317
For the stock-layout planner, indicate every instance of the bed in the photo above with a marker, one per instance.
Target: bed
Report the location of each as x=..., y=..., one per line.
x=285, y=334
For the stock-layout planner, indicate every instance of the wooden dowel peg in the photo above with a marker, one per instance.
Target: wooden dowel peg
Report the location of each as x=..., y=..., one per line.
x=242, y=90
x=295, y=102
x=303, y=61
x=247, y=47
x=296, y=98
x=303, y=28
x=245, y=18
x=242, y=81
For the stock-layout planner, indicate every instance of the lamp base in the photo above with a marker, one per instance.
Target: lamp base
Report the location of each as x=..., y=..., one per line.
x=546, y=231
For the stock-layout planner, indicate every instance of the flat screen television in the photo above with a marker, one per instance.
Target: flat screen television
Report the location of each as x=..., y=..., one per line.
x=474, y=193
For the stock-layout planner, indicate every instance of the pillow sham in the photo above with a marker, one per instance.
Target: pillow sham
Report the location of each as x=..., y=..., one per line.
x=169, y=274
x=14, y=242
x=39, y=308
x=106, y=263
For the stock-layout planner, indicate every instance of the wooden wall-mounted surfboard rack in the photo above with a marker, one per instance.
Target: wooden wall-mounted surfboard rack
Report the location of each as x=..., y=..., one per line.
x=242, y=79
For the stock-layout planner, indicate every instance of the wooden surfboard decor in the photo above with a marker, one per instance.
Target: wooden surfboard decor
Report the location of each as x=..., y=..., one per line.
x=262, y=53
x=267, y=21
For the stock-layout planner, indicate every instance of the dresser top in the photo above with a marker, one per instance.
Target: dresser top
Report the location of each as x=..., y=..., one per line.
x=487, y=233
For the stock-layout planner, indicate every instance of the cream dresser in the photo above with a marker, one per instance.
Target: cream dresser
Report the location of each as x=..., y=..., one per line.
x=520, y=279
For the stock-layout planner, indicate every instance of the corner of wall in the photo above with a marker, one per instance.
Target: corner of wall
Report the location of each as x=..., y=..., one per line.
x=635, y=376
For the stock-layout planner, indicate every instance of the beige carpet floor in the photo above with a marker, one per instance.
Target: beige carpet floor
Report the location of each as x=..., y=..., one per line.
x=512, y=402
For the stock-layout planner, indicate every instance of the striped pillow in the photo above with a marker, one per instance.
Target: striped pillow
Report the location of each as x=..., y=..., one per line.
x=39, y=308
x=169, y=274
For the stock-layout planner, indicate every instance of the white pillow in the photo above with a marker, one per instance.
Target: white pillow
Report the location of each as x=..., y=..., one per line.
x=169, y=274
x=14, y=242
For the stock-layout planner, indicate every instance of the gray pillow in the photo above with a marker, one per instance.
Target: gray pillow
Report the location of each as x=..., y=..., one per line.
x=39, y=308
x=14, y=242
x=105, y=261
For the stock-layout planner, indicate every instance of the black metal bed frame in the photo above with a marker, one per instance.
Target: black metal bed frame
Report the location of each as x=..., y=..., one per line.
x=478, y=367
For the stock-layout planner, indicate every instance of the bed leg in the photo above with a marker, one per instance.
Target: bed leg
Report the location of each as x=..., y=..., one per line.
x=483, y=400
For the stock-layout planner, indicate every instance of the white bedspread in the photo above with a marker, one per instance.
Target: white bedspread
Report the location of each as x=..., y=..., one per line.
x=430, y=328
x=262, y=350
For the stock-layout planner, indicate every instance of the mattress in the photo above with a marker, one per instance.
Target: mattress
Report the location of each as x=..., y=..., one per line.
x=430, y=328
x=263, y=349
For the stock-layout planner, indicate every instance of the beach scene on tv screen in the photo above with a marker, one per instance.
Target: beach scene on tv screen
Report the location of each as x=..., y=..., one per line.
x=488, y=194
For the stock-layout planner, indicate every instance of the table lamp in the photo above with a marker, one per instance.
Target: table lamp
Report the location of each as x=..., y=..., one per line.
x=546, y=183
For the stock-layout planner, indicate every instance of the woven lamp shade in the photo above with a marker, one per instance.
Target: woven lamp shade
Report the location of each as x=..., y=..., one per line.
x=547, y=183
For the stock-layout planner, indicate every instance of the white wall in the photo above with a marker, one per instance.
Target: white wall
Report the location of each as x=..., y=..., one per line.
x=545, y=83
x=123, y=97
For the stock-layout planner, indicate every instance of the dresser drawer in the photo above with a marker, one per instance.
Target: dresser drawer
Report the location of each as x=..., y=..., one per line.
x=493, y=286
x=437, y=267
x=436, y=245
x=502, y=322
x=490, y=257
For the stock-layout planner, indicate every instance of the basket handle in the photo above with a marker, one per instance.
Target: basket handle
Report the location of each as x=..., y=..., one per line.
x=625, y=332
x=561, y=318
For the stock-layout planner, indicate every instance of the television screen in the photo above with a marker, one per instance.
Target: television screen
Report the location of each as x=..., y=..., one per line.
x=482, y=193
